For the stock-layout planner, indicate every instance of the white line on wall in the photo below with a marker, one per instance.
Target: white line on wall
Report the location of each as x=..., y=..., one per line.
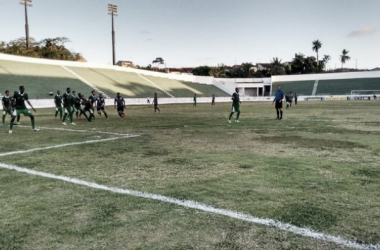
x=204, y=207
x=315, y=87
x=84, y=81
x=155, y=85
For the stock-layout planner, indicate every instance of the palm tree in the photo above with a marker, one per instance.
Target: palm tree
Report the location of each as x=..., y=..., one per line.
x=326, y=58
x=316, y=46
x=344, y=57
x=277, y=67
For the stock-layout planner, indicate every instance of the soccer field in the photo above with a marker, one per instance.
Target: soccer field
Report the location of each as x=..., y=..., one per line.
x=318, y=169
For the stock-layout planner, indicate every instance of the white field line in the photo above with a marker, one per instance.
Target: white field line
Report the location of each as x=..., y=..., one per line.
x=82, y=131
x=61, y=146
x=155, y=85
x=203, y=207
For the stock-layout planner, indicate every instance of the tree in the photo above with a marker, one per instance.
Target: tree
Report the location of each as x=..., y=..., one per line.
x=219, y=71
x=316, y=46
x=158, y=61
x=344, y=57
x=277, y=67
x=325, y=60
x=298, y=64
x=202, y=71
x=52, y=48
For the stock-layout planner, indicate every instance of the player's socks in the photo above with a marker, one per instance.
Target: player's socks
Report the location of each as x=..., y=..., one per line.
x=56, y=113
x=281, y=115
x=64, y=117
x=106, y=115
x=231, y=115
x=237, y=116
x=278, y=114
x=11, y=125
x=18, y=119
x=71, y=117
x=33, y=123
x=4, y=119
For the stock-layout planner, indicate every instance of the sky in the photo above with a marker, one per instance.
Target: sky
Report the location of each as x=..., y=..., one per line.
x=189, y=33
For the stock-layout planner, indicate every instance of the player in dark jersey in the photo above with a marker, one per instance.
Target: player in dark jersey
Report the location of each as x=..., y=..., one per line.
x=18, y=104
x=213, y=100
x=100, y=105
x=77, y=105
x=235, y=105
x=6, y=102
x=87, y=107
x=58, y=105
x=119, y=101
x=155, y=103
x=278, y=97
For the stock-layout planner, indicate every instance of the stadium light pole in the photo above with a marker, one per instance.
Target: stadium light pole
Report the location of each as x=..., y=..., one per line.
x=112, y=10
x=26, y=3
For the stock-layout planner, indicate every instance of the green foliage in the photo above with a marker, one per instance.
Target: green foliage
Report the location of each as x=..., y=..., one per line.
x=202, y=71
x=50, y=48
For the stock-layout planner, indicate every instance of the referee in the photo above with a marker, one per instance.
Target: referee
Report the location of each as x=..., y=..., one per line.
x=278, y=97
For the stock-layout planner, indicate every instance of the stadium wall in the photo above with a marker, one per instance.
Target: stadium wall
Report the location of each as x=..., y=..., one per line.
x=328, y=76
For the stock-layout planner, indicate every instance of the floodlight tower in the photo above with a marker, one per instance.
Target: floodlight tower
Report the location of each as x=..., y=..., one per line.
x=26, y=3
x=112, y=10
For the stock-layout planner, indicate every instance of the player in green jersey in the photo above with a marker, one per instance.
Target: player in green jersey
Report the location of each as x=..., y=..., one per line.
x=195, y=100
x=68, y=102
x=235, y=105
x=6, y=102
x=92, y=100
x=18, y=104
x=58, y=105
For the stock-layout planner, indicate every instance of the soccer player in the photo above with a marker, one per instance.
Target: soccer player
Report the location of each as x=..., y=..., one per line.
x=77, y=106
x=92, y=99
x=278, y=97
x=68, y=101
x=58, y=105
x=6, y=101
x=87, y=107
x=235, y=105
x=18, y=104
x=287, y=99
x=195, y=100
x=213, y=100
x=155, y=102
x=295, y=98
x=18, y=116
x=119, y=101
x=100, y=105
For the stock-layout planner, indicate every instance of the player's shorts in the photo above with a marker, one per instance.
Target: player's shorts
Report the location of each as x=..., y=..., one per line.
x=99, y=108
x=69, y=110
x=235, y=108
x=278, y=104
x=7, y=111
x=78, y=108
x=58, y=109
x=25, y=112
x=89, y=110
x=120, y=109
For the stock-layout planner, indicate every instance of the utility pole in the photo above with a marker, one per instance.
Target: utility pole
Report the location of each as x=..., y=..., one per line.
x=112, y=10
x=26, y=3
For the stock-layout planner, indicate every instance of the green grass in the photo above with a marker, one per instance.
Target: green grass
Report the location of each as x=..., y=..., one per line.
x=318, y=168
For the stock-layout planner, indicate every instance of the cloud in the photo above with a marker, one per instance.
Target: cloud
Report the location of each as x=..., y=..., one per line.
x=149, y=39
x=145, y=32
x=362, y=32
